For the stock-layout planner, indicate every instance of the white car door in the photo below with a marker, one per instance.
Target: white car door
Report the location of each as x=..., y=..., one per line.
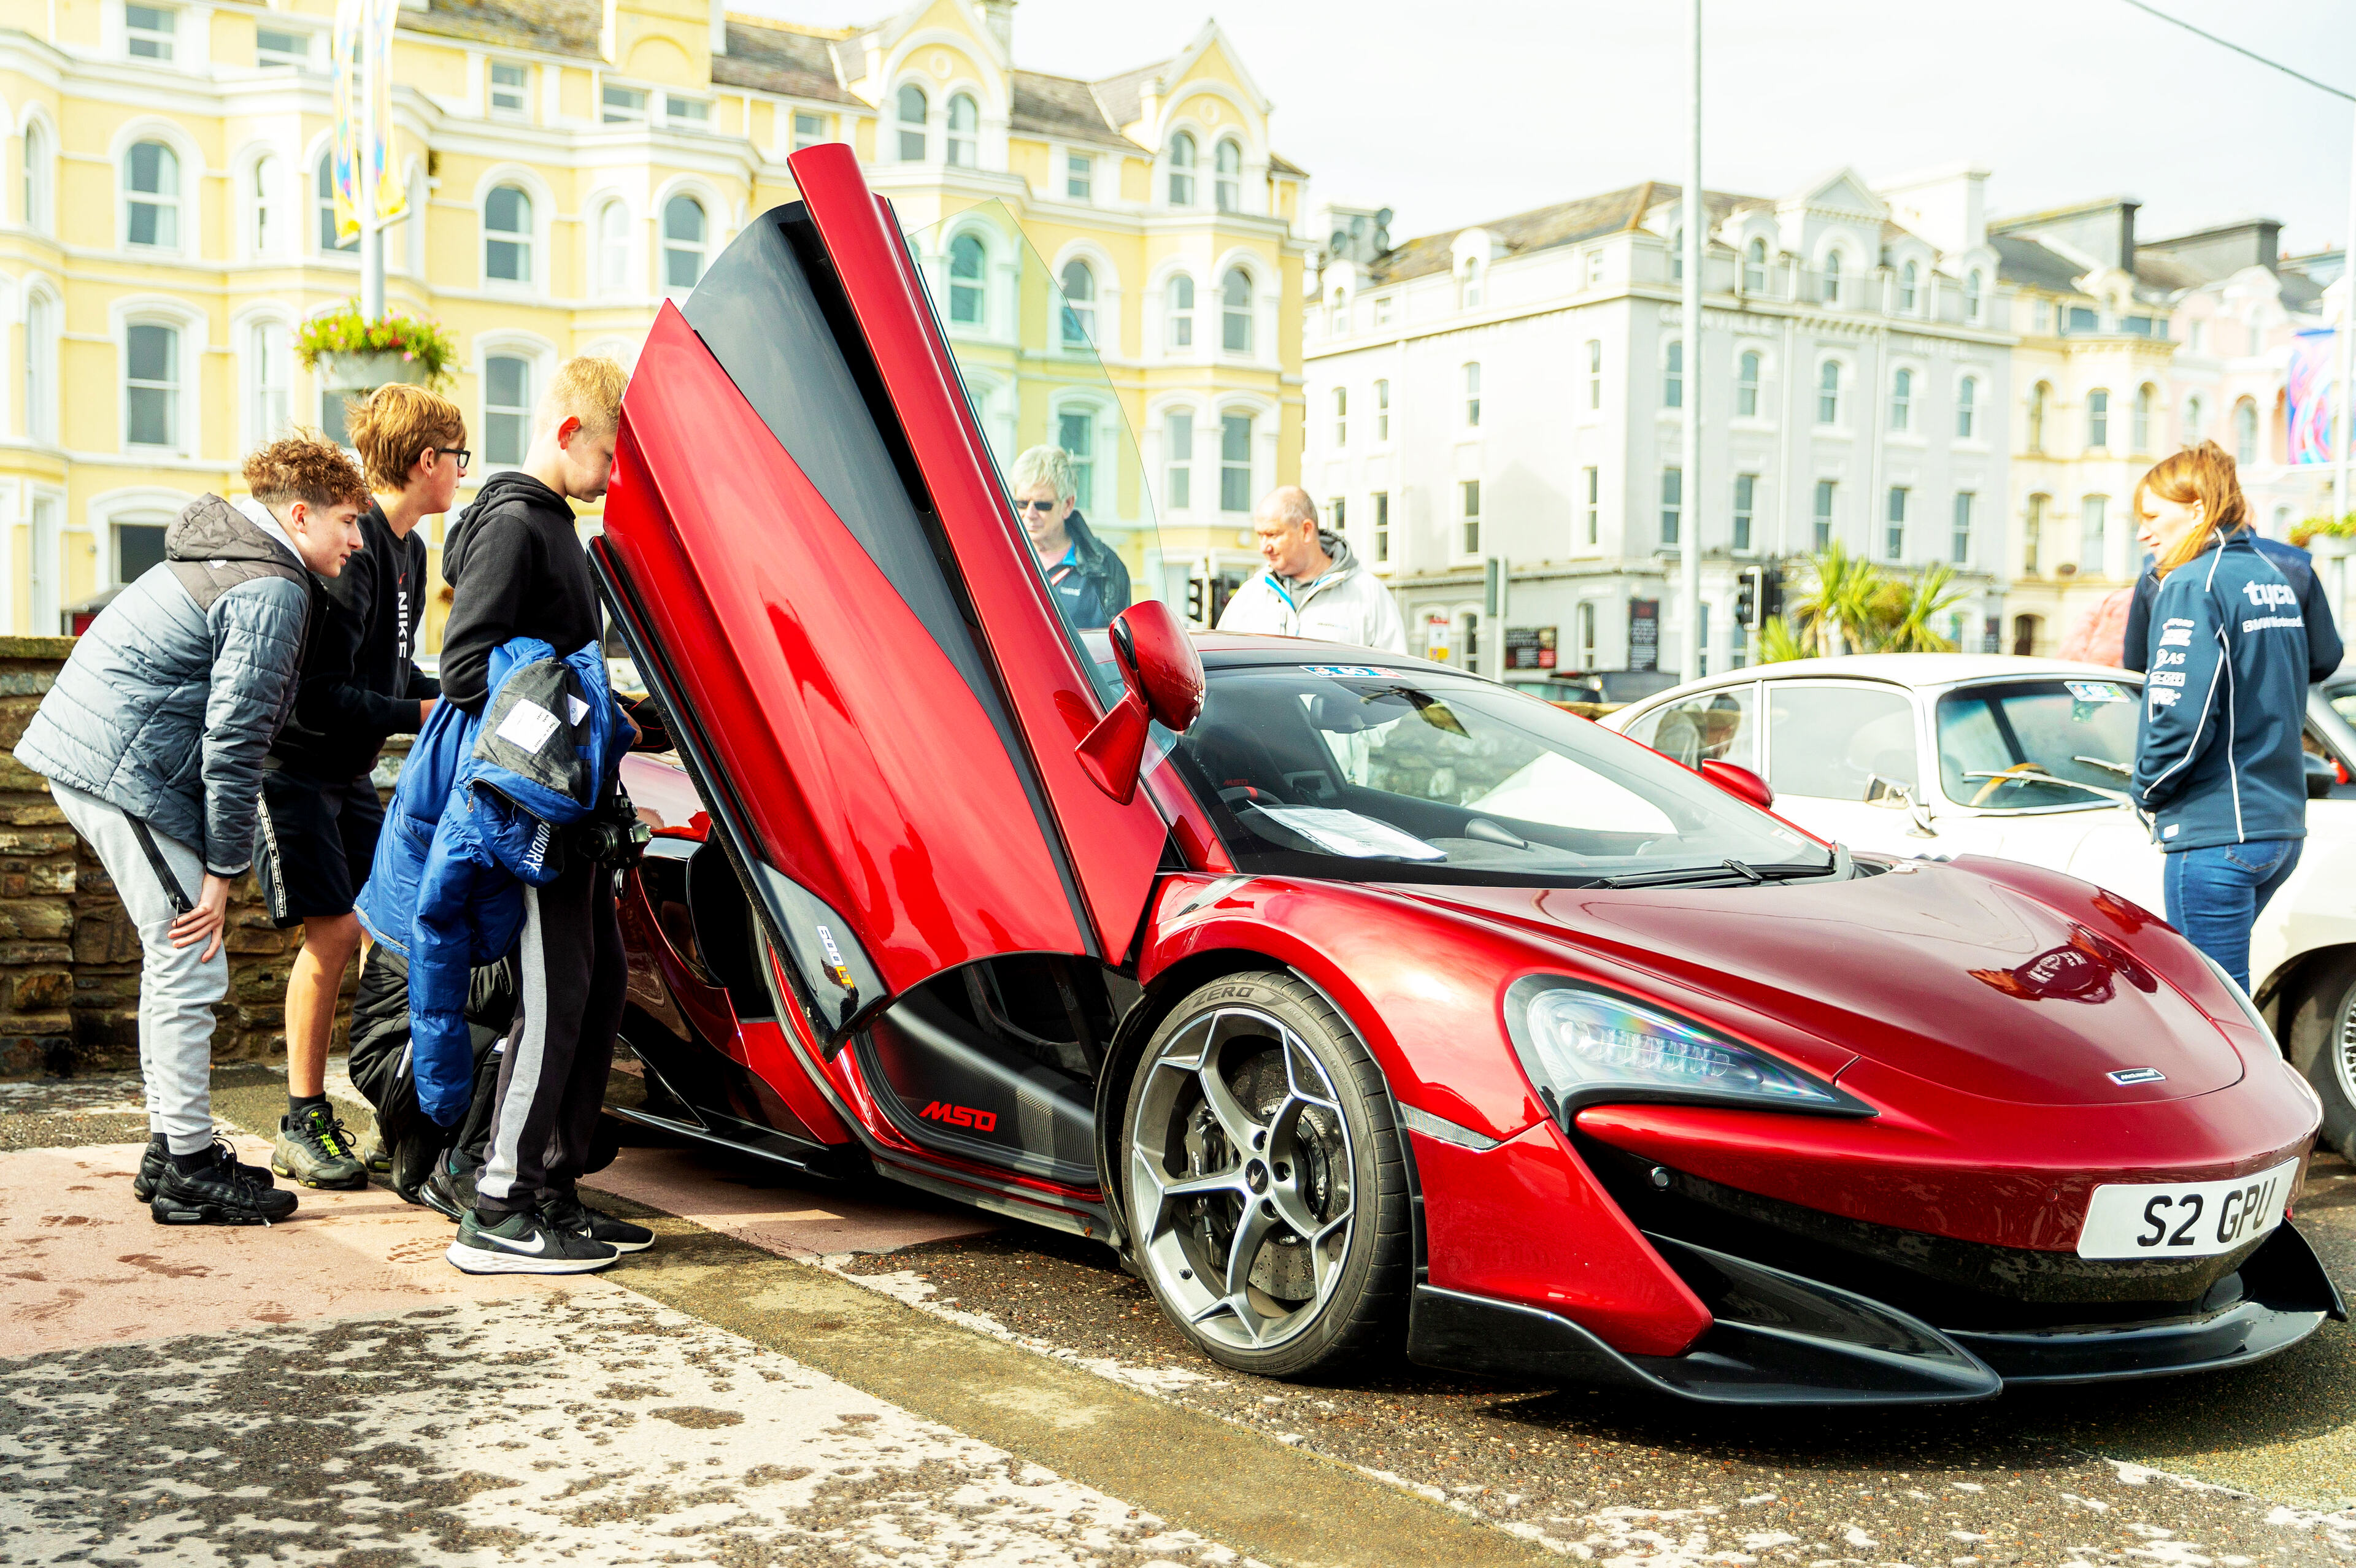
x=1844, y=758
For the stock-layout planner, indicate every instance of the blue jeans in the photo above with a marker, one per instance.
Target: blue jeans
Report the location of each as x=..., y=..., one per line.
x=2215, y=895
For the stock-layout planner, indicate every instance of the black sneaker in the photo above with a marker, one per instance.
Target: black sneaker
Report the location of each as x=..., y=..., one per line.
x=569, y=1214
x=222, y=1192
x=152, y=1165
x=317, y=1151
x=448, y=1192
x=522, y=1242
x=413, y=1157
x=376, y=1158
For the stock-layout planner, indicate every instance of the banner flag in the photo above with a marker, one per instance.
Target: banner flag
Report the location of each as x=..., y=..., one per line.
x=363, y=100
x=2310, y=390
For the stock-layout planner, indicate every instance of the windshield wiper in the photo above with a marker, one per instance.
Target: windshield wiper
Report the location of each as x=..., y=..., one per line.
x=2120, y=795
x=1724, y=873
x=2122, y=769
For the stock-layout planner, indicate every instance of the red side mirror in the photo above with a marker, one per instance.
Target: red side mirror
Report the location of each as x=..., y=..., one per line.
x=1164, y=678
x=1740, y=783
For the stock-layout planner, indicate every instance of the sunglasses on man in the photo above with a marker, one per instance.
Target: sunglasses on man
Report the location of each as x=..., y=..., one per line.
x=1041, y=508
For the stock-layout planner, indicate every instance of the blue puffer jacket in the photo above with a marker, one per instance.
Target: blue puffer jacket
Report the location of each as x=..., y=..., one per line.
x=477, y=817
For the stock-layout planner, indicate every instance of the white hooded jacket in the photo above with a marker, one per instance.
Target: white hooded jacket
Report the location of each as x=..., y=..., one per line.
x=1347, y=604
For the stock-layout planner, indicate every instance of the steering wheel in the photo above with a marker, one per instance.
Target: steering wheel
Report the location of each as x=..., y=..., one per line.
x=2013, y=774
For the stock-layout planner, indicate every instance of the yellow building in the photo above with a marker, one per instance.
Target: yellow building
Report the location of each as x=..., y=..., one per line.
x=568, y=166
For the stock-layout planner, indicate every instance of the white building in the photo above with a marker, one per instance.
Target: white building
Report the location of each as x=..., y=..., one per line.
x=1513, y=393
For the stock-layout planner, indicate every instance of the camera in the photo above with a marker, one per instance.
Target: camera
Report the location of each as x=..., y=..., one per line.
x=612, y=835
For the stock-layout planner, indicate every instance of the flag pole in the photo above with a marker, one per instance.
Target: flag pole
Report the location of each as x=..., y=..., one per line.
x=2346, y=336
x=1689, y=488
x=371, y=228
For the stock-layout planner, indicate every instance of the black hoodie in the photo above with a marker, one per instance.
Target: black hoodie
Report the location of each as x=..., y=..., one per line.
x=359, y=681
x=516, y=569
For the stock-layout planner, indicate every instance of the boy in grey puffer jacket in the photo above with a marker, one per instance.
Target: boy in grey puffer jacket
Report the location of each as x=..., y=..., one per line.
x=153, y=742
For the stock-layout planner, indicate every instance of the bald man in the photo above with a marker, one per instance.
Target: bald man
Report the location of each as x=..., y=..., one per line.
x=1313, y=586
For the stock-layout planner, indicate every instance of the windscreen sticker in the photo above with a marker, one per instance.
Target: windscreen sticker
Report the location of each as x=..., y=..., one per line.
x=1353, y=670
x=1339, y=832
x=2097, y=691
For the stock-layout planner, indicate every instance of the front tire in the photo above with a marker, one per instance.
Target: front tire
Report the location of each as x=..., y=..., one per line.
x=2322, y=1040
x=1266, y=1189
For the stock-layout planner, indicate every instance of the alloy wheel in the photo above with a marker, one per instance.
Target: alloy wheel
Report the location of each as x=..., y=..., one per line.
x=1240, y=1181
x=2343, y=1048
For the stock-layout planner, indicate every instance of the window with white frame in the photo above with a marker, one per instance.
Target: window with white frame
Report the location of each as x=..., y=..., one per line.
x=1337, y=324
x=968, y=283
x=2094, y=534
x=1382, y=527
x=1902, y=400
x=1227, y=171
x=43, y=581
x=1975, y=294
x=809, y=129
x=685, y=238
x=1382, y=411
x=41, y=367
x=1677, y=254
x=277, y=45
x=148, y=32
x=1473, y=396
x=36, y=195
x=1079, y=175
x=1594, y=372
x=1894, y=524
x=623, y=105
x=2139, y=423
x=1746, y=492
x=267, y=222
x=1910, y=280
x=137, y=543
x=1468, y=516
x=912, y=106
x=2098, y=420
x=2039, y=396
x=1967, y=409
x=1382, y=310
x=1587, y=634
x=2245, y=433
x=1179, y=308
x=1594, y=269
x=1468, y=284
x=2196, y=421
x=1079, y=283
x=1593, y=509
x=1673, y=375
x=323, y=187
x=1746, y=384
x=1341, y=416
x=1076, y=432
x=268, y=375
x=686, y=113
x=151, y=384
x=1673, y=505
x=1178, y=459
x=1236, y=312
x=1754, y=266
x=1832, y=277
x=1825, y=491
x=1959, y=544
x=511, y=87
x=1235, y=462
x=151, y=197
x=613, y=248
x=964, y=127
x=507, y=235
x=507, y=409
x=1828, y=393
x=1181, y=170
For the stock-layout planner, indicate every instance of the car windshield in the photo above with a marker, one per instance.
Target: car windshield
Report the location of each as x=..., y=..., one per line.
x=1026, y=339
x=2009, y=745
x=2343, y=700
x=1377, y=775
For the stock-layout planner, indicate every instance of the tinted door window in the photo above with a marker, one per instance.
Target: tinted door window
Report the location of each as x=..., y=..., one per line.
x=1826, y=742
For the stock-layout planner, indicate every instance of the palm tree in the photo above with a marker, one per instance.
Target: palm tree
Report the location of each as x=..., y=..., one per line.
x=1910, y=629
x=1841, y=611
x=1778, y=642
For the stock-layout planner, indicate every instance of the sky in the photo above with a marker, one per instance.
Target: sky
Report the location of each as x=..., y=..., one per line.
x=1455, y=114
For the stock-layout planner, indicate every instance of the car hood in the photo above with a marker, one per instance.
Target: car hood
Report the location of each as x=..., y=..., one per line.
x=1931, y=970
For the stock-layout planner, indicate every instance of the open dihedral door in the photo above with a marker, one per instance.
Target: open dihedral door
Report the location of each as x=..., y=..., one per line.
x=808, y=545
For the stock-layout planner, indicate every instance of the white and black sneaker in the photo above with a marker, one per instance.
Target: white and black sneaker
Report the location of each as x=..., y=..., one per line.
x=522, y=1242
x=569, y=1214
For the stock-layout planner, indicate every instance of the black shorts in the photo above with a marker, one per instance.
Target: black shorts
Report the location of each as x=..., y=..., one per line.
x=313, y=844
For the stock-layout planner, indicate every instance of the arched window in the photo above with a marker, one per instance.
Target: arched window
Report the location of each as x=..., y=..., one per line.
x=1341, y=416
x=506, y=236
x=36, y=177
x=2094, y=534
x=267, y=377
x=613, y=248
x=2196, y=416
x=685, y=232
x=2032, y=538
x=1181, y=170
x=1235, y=462
x=1236, y=313
x=2039, y=397
x=1178, y=459
x=1829, y=389
x=1909, y=279
x=1468, y=284
x=1902, y=400
x=967, y=289
x=1180, y=310
x=151, y=385
x=1472, y=395
x=151, y=197
x=965, y=123
x=1673, y=376
x=269, y=219
x=1746, y=384
x=2098, y=420
x=2139, y=429
x=1967, y=409
x=2245, y=433
x=1080, y=305
x=507, y=409
x=1076, y=432
x=1975, y=290
x=1754, y=266
x=1228, y=168
x=322, y=191
x=41, y=368
x=1832, y=277
x=912, y=123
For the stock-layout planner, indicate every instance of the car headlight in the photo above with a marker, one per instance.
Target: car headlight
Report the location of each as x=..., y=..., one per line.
x=2258, y=1022
x=1580, y=1044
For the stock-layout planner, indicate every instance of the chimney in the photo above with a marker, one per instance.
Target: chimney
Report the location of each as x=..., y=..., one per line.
x=1000, y=15
x=719, y=27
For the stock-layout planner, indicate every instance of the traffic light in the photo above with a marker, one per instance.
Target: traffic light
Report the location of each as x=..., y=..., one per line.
x=1770, y=594
x=1195, y=588
x=1746, y=598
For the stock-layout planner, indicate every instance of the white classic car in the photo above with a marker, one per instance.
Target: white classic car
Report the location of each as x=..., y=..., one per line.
x=1947, y=754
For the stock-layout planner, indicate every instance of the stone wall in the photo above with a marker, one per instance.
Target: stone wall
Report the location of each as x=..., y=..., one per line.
x=69, y=956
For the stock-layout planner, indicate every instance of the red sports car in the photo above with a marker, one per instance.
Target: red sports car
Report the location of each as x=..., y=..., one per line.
x=1354, y=1001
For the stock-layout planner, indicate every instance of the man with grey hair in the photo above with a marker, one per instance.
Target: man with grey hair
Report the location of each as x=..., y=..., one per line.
x=1088, y=582
x=1313, y=586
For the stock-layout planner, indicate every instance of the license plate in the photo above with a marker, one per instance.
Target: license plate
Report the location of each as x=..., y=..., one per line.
x=2185, y=1219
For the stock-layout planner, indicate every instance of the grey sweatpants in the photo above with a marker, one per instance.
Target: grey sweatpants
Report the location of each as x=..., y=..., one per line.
x=177, y=992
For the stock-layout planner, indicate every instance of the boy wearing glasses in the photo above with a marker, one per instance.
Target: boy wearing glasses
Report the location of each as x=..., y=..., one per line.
x=320, y=816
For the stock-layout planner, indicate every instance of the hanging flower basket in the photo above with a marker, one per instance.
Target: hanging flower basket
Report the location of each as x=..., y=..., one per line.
x=352, y=354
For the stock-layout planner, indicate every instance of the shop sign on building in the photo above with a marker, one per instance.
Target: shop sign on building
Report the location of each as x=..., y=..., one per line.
x=1643, y=634
x=1529, y=648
